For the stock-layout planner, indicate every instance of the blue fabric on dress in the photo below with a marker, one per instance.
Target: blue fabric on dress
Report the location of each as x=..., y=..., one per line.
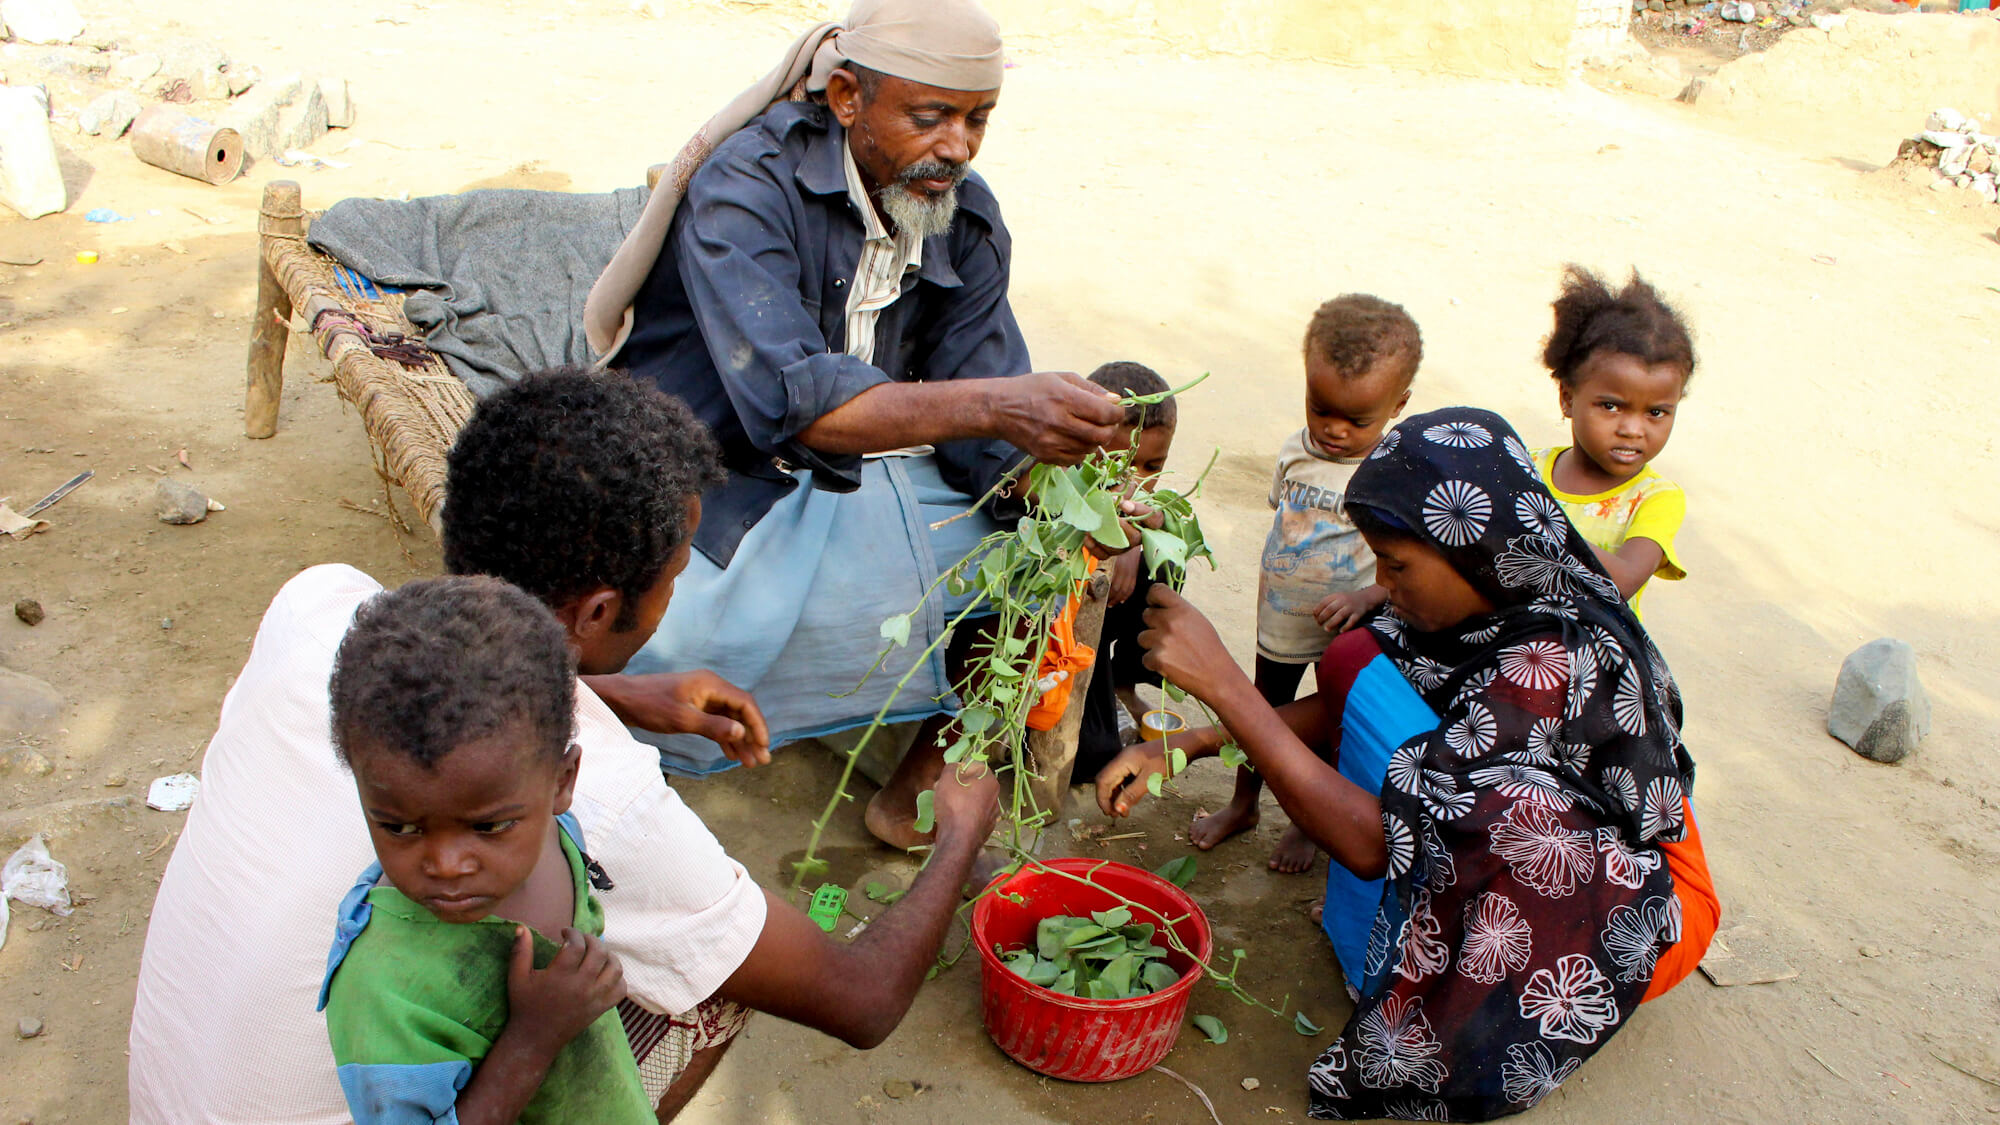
x=1381, y=713
x=798, y=614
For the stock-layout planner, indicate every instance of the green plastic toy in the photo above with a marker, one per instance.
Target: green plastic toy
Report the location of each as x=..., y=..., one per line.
x=826, y=906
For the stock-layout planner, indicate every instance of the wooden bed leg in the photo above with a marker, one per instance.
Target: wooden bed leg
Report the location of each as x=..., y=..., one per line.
x=281, y=216
x=1054, y=751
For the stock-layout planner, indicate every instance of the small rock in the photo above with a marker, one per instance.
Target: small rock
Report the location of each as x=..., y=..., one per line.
x=339, y=102
x=30, y=1028
x=41, y=21
x=166, y=623
x=27, y=705
x=899, y=1089
x=1251, y=1084
x=1879, y=706
x=1979, y=162
x=1869, y=951
x=241, y=78
x=176, y=501
x=27, y=761
x=133, y=69
x=115, y=781
x=109, y=115
x=29, y=611
x=30, y=179
x=199, y=64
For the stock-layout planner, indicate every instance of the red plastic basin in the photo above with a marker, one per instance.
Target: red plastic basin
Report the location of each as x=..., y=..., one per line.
x=1070, y=1037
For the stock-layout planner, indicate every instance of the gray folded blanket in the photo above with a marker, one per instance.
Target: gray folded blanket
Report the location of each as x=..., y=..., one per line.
x=497, y=278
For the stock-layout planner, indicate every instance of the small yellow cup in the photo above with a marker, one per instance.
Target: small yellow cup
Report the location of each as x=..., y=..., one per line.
x=1161, y=723
x=86, y=257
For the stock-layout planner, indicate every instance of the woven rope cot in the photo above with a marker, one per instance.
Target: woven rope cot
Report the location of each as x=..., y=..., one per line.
x=411, y=414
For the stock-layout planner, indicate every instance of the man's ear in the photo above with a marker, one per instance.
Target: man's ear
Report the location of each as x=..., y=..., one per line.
x=566, y=778
x=843, y=96
x=591, y=616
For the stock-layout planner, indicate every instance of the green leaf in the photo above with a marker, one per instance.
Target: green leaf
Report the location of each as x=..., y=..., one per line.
x=1083, y=935
x=976, y=720
x=926, y=819
x=1232, y=755
x=1304, y=1026
x=1118, y=975
x=1153, y=784
x=1161, y=548
x=1064, y=983
x=1109, y=531
x=897, y=629
x=1176, y=760
x=1172, y=691
x=1158, y=975
x=1043, y=973
x=956, y=752
x=1020, y=962
x=1114, y=918
x=1102, y=990
x=1179, y=871
x=1211, y=1027
x=1049, y=936
x=1140, y=934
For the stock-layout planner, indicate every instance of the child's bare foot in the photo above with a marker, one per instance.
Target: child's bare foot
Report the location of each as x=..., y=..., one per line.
x=1318, y=912
x=1239, y=815
x=893, y=821
x=1294, y=853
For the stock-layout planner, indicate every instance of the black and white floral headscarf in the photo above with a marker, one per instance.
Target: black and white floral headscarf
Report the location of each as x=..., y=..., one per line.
x=1527, y=899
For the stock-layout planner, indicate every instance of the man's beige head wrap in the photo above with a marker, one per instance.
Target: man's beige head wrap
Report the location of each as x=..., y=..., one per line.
x=951, y=44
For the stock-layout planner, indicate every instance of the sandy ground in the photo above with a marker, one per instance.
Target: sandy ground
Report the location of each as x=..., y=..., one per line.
x=1190, y=214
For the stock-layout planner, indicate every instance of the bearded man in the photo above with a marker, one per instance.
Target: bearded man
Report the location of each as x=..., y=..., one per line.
x=823, y=279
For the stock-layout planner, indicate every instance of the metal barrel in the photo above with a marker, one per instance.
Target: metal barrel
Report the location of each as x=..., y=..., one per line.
x=167, y=138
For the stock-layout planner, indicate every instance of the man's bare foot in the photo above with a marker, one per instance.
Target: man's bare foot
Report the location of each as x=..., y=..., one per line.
x=1239, y=815
x=1294, y=853
x=893, y=821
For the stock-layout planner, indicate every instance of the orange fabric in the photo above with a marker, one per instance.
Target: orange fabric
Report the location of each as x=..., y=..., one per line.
x=1063, y=654
x=1701, y=911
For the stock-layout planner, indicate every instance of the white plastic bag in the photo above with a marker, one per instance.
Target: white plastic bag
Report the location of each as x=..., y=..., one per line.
x=32, y=876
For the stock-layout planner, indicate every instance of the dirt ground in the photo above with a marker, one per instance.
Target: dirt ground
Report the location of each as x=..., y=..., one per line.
x=1188, y=213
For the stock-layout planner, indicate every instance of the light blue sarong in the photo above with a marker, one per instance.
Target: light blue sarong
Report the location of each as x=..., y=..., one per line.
x=797, y=616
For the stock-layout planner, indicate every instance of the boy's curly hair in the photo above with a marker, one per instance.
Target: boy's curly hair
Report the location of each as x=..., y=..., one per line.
x=570, y=481
x=1634, y=321
x=441, y=662
x=1354, y=332
x=1123, y=377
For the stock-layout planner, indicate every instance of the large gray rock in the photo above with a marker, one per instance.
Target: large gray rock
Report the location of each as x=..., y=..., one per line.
x=133, y=69
x=109, y=115
x=27, y=705
x=197, y=62
x=1879, y=705
x=30, y=179
x=41, y=21
x=176, y=501
x=256, y=115
x=339, y=102
x=303, y=121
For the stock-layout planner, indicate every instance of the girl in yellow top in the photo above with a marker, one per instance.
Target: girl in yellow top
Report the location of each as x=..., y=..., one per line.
x=1621, y=361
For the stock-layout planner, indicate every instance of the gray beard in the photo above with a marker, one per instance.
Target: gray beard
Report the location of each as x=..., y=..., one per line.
x=923, y=217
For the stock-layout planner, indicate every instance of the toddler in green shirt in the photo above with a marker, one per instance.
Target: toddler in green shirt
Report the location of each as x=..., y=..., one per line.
x=467, y=981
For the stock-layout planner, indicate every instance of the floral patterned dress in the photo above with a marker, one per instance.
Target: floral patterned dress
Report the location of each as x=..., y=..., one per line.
x=1527, y=899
